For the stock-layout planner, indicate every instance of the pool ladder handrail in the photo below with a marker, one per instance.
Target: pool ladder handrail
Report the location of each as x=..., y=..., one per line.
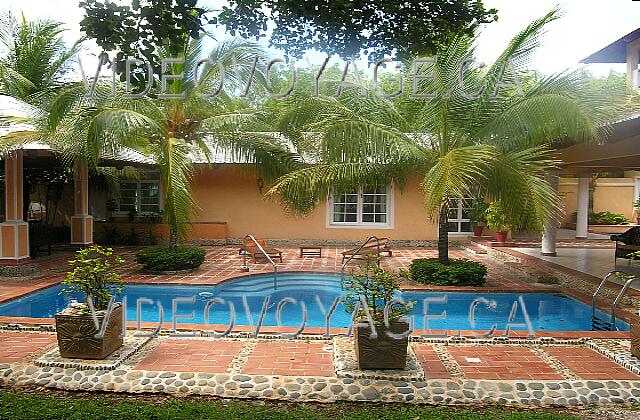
x=245, y=267
x=344, y=264
x=623, y=290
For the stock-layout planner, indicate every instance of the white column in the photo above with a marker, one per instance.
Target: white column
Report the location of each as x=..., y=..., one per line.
x=582, y=221
x=551, y=225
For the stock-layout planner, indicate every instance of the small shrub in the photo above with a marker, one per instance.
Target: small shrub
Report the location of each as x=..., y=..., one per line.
x=459, y=272
x=164, y=259
x=94, y=275
x=607, y=218
x=377, y=286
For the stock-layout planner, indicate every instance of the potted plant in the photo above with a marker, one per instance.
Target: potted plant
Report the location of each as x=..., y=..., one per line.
x=94, y=277
x=496, y=220
x=636, y=206
x=375, y=287
x=478, y=216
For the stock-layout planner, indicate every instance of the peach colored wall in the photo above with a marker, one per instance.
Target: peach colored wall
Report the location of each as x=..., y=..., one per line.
x=568, y=190
x=198, y=230
x=226, y=193
x=616, y=199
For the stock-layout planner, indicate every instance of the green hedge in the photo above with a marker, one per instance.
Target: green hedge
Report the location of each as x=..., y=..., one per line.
x=460, y=272
x=163, y=259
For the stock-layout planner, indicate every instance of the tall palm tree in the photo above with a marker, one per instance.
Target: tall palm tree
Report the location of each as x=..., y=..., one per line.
x=174, y=132
x=476, y=135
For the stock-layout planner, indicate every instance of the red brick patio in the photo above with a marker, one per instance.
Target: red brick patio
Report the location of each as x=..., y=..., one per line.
x=430, y=362
x=191, y=356
x=502, y=362
x=14, y=347
x=589, y=364
x=289, y=358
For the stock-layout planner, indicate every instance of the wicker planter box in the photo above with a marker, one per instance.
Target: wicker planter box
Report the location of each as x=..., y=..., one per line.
x=76, y=334
x=382, y=352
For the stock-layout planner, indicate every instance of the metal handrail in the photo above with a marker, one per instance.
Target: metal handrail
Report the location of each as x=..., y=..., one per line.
x=604, y=280
x=358, y=250
x=245, y=267
x=617, y=299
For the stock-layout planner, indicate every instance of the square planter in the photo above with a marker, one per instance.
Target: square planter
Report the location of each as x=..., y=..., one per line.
x=382, y=352
x=76, y=334
x=635, y=338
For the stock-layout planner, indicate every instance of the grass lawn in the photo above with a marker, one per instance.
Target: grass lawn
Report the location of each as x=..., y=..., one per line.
x=57, y=405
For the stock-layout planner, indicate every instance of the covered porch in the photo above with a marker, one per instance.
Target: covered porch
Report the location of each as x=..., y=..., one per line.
x=22, y=218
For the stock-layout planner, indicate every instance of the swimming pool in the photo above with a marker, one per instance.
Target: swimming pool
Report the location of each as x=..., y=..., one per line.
x=546, y=311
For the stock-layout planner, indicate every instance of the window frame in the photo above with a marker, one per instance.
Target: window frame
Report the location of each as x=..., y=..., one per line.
x=138, y=204
x=359, y=224
x=459, y=220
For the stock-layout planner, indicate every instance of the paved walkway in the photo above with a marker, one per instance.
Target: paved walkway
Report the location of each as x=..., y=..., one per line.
x=315, y=358
x=596, y=262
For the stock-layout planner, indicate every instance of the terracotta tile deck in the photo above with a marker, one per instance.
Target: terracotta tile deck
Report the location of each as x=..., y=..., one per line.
x=191, y=356
x=502, y=363
x=16, y=346
x=290, y=358
x=431, y=363
x=589, y=364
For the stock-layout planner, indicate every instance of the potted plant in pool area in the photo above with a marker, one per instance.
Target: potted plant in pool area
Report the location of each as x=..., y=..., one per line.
x=636, y=206
x=93, y=276
x=370, y=289
x=478, y=216
x=497, y=220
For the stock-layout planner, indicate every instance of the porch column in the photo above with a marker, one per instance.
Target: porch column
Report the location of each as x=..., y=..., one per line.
x=551, y=225
x=81, y=221
x=14, y=232
x=582, y=221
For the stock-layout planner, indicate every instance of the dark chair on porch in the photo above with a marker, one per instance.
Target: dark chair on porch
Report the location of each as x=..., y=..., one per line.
x=39, y=237
x=627, y=243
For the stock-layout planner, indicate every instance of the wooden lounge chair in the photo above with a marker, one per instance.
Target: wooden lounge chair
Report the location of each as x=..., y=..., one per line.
x=252, y=250
x=373, y=246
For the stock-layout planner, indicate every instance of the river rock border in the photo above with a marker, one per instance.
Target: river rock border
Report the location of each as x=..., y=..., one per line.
x=324, y=389
x=232, y=384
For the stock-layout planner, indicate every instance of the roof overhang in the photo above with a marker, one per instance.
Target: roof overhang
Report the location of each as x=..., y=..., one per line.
x=620, y=151
x=616, y=52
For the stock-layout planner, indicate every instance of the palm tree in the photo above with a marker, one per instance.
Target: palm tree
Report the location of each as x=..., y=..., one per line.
x=35, y=58
x=463, y=138
x=175, y=131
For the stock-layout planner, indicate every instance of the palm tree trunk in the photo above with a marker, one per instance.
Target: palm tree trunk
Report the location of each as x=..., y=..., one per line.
x=173, y=237
x=443, y=235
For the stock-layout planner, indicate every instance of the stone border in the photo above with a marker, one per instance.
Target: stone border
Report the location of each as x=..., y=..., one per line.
x=131, y=345
x=327, y=389
x=324, y=389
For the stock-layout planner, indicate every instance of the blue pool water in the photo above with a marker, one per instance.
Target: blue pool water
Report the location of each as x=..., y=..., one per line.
x=546, y=311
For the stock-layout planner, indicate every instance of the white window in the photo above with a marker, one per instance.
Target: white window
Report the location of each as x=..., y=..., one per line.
x=458, y=220
x=369, y=206
x=140, y=196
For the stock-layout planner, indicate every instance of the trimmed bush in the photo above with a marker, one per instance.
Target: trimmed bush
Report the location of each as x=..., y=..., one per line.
x=163, y=259
x=459, y=272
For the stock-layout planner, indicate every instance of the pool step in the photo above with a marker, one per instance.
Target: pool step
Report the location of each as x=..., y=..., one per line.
x=475, y=249
x=600, y=324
